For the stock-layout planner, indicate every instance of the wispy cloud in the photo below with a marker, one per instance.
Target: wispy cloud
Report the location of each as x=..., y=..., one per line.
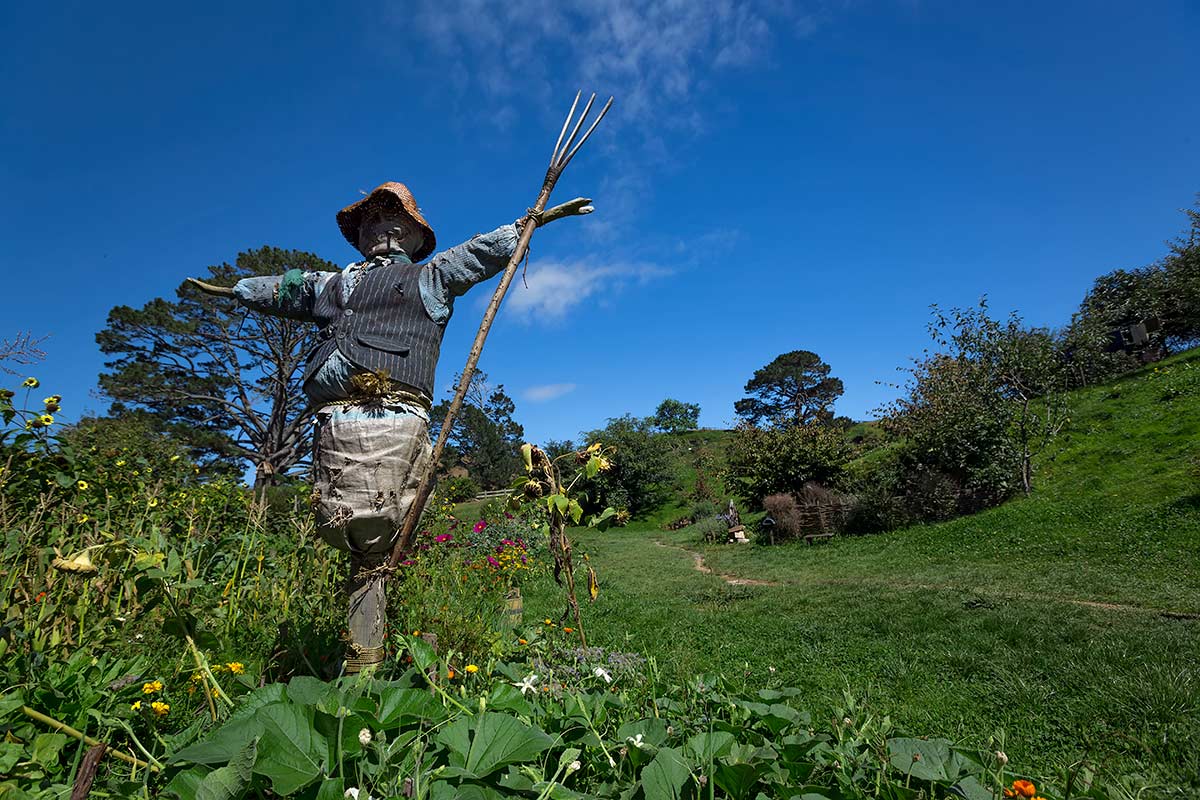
x=552, y=288
x=550, y=391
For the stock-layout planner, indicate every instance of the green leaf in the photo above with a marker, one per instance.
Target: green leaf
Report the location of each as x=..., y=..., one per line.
x=972, y=789
x=223, y=744
x=704, y=748
x=332, y=789
x=737, y=780
x=422, y=654
x=575, y=511
x=664, y=777
x=593, y=466
x=506, y=697
x=495, y=741
x=46, y=747
x=291, y=752
x=10, y=754
x=653, y=731
x=927, y=759
x=306, y=690
x=186, y=784
x=10, y=702
x=602, y=517
x=561, y=503
x=399, y=705
x=230, y=781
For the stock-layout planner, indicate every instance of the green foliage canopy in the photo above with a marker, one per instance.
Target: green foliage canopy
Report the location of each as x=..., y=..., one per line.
x=794, y=389
x=676, y=416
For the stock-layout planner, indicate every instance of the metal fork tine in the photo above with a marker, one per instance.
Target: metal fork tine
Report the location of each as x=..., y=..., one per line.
x=578, y=125
x=571, y=155
x=566, y=122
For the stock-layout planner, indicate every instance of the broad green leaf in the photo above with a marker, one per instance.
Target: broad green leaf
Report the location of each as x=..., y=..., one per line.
x=422, y=654
x=333, y=789
x=927, y=759
x=185, y=785
x=230, y=781
x=223, y=744
x=652, y=730
x=506, y=697
x=593, y=466
x=290, y=753
x=561, y=503
x=10, y=702
x=398, y=705
x=306, y=690
x=970, y=788
x=665, y=776
x=575, y=511
x=10, y=754
x=495, y=740
x=737, y=780
x=46, y=747
x=704, y=748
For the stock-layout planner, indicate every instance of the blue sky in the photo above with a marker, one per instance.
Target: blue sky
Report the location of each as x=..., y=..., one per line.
x=773, y=176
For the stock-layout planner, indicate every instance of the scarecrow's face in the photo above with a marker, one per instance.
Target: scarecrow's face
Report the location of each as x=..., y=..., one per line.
x=385, y=231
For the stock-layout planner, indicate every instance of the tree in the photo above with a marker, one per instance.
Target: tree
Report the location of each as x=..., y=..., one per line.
x=780, y=460
x=640, y=478
x=485, y=439
x=794, y=389
x=225, y=381
x=675, y=416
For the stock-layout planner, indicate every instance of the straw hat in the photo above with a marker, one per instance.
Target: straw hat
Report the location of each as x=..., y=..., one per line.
x=395, y=195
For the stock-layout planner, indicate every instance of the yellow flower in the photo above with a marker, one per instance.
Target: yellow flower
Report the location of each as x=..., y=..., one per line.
x=174, y=459
x=160, y=709
x=46, y=419
x=53, y=399
x=152, y=502
x=416, y=633
x=150, y=687
x=548, y=622
x=236, y=667
x=32, y=383
x=81, y=485
x=82, y=518
x=196, y=677
x=120, y=462
x=136, y=706
x=471, y=668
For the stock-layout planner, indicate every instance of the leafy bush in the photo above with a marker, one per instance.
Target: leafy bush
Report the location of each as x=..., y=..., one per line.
x=458, y=490
x=710, y=530
x=640, y=478
x=765, y=461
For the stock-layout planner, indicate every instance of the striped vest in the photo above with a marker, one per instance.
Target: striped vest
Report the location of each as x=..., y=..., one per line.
x=383, y=326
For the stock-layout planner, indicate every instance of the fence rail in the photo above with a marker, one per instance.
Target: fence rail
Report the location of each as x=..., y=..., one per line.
x=493, y=494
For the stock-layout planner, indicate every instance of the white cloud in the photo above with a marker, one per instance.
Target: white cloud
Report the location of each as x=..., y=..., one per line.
x=552, y=288
x=550, y=391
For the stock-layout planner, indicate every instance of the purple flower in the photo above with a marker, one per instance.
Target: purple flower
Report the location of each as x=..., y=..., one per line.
x=407, y=563
x=443, y=537
x=507, y=515
x=479, y=526
x=492, y=560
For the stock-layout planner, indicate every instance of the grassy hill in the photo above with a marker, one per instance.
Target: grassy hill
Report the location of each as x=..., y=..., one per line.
x=1060, y=627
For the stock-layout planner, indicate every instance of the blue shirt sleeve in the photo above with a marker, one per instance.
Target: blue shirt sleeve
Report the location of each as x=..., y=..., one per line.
x=451, y=273
x=288, y=295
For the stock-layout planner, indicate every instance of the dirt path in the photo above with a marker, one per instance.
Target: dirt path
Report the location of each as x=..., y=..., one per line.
x=733, y=580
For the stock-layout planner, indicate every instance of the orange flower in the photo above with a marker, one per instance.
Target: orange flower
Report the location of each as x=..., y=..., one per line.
x=1022, y=788
x=450, y=674
x=568, y=630
x=519, y=641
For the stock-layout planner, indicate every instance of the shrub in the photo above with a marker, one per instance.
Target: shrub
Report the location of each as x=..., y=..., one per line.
x=710, y=530
x=459, y=489
x=766, y=461
x=640, y=478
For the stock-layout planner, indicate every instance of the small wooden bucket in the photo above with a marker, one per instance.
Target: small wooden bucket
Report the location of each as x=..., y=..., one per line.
x=514, y=609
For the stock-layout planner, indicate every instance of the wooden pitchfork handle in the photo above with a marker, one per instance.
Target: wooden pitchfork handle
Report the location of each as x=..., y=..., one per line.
x=562, y=155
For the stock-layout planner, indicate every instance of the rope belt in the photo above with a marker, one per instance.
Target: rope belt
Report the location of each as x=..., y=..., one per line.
x=359, y=658
x=393, y=396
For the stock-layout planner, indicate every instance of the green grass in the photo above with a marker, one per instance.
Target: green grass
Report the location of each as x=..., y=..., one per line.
x=987, y=625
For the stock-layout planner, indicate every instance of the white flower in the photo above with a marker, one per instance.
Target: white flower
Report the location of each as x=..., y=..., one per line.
x=1001, y=757
x=601, y=672
x=574, y=766
x=527, y=684
x=612, y=763
x=364, y=737
x=636, y=741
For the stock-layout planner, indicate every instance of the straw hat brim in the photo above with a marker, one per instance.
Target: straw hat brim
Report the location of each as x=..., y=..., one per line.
x=390, y=195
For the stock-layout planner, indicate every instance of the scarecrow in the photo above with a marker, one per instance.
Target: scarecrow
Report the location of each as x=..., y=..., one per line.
x=370, y=376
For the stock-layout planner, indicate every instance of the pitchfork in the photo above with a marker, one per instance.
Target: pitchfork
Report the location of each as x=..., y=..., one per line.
x=563, y=153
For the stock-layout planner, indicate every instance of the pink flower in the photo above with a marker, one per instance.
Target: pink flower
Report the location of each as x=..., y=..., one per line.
x=479, y=526
x=507, y=515
x=443, y=537
x=407, y=563
x=492, y=560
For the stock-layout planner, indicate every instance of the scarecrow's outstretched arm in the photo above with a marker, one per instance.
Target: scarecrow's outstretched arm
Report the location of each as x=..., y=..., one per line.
x=289, y=295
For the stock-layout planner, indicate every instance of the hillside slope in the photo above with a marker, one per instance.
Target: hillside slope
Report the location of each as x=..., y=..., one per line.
x=1067, y=623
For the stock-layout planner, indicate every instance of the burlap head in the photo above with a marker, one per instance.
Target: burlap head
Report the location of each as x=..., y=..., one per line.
x=390, y=195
